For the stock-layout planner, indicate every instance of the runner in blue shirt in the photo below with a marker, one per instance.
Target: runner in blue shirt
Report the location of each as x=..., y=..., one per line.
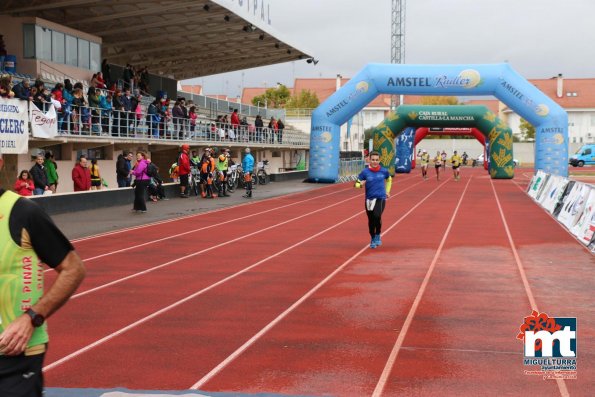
x=378, y=183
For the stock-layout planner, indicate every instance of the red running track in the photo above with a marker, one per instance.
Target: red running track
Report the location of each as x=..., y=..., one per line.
x=284, y=296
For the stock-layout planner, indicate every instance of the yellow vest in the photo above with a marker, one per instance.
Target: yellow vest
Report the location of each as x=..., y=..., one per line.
x=21, y=274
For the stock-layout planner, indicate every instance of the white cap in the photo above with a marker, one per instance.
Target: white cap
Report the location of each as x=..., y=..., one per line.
x=247, y=150
x=424, y=151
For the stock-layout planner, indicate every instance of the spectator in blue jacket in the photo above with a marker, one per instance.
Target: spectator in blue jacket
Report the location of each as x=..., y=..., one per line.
x=248, y=167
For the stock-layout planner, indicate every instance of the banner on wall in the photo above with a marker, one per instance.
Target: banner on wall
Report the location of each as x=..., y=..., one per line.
x=537, y=183
x=547, y=188
x=574, y=205
x=555, y=194
x=569, y=188
x=43, y=125
x=585, y=226
x=14, y=130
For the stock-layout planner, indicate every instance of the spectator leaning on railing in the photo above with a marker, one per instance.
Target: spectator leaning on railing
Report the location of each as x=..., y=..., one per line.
x=6, y=86
x=23, y=90
x=178, y=117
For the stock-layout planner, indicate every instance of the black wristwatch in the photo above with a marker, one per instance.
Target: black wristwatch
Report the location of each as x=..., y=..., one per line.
x=37, y=319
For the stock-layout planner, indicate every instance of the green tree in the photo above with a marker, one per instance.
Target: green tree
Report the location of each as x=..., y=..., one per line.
x=527, y=130
x=368, y=134
x=306, y=99
x=440, y=100
x=273, y=97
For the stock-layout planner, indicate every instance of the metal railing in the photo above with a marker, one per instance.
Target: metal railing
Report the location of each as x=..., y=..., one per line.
x=349, y=169
x=299, y=113
x=217, y=106
x=105, y=123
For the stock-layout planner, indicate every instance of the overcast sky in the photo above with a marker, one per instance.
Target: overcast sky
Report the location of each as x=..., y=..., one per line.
x=539, y=38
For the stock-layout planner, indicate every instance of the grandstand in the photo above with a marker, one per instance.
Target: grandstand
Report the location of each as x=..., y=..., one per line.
x=54, y=41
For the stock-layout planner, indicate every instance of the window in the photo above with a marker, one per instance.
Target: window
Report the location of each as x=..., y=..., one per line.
x=56, y=150
x=587, y=151
x=43, y=43
x=71, y=51
x=29, y=41
x=275, y=153
x=58, y=54
x=83, y=57
x=95, y=57
x=92, y=153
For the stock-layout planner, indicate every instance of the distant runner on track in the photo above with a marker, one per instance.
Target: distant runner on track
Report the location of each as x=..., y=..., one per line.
x=377, y=182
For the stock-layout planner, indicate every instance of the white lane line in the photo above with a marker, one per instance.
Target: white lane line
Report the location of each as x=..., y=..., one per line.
x=244, y=236
x=202, y=228
x=86, y=260
x=395, y=351
x=186, y=217
x=206, y=227
x=202, y=291
x=560, y=382
x=134, y=275
x=415, y=348
x=290, y=309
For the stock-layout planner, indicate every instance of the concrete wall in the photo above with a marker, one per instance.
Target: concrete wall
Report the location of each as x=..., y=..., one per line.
x=81, y=201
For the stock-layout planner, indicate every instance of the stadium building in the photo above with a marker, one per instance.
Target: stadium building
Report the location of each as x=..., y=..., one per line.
x=165, y=41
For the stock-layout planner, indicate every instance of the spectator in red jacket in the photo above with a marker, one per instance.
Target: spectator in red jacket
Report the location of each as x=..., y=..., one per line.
x=235, y=122
x=81, y=176
x=24, y=185
x=184, y=170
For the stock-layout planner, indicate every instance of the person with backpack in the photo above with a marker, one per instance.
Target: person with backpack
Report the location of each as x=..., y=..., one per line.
x=184, y=170
x=156, y=191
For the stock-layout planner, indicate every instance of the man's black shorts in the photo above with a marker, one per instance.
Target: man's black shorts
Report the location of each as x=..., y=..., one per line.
x=21, y=376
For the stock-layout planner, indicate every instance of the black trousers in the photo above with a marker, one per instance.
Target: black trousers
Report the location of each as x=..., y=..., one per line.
x=140, y=193
x=21, y=376
x=375, y=217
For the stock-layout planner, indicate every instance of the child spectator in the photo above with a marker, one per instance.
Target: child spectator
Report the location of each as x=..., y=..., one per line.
x=24, y=184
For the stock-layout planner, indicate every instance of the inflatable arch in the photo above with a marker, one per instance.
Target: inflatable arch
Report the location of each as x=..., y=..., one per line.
x=496, y=132
x=422, y=132
x=500, y=80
